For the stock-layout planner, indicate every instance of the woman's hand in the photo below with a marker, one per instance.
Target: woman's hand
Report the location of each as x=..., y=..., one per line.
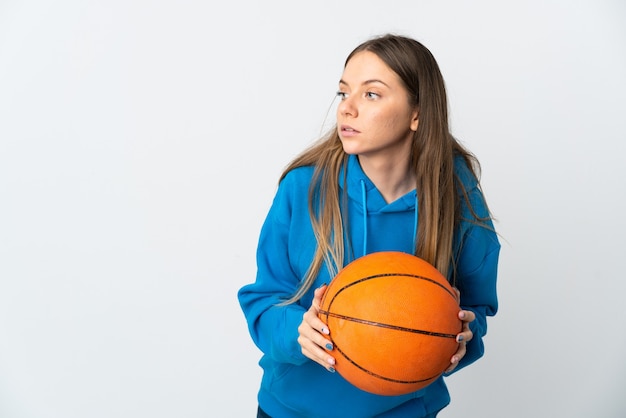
x=462, y=338
x=312, y=330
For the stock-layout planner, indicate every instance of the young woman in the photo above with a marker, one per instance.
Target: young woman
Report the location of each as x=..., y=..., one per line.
x=389, y=176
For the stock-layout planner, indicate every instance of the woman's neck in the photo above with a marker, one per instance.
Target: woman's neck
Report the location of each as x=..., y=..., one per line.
x=392, y=178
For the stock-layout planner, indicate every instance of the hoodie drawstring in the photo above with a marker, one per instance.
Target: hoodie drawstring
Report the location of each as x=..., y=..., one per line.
x=364, y=203
x=416, y=224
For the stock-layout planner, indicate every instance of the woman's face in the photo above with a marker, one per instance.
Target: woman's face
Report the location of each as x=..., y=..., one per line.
x=374, y=118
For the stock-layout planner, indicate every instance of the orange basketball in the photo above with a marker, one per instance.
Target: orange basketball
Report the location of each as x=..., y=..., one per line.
x=393, y=321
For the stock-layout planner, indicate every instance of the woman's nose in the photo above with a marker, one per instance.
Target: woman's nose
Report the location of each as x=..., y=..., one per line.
x=347, y=107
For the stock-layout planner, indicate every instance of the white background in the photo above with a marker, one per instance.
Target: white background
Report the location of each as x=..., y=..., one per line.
x=141, y=143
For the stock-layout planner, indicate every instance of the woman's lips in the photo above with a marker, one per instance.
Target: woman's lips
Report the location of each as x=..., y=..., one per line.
x=348, y=131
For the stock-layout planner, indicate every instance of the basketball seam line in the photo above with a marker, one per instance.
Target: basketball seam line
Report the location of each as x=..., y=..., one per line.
x=376, y=276
x=384, y=377
x=389, y=326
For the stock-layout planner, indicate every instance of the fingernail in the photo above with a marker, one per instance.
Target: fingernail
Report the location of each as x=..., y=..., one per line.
x=331, y=360
x=331, y=369
x=325, y=331
x=329, y=346
x=459, y=338
x=462, y=315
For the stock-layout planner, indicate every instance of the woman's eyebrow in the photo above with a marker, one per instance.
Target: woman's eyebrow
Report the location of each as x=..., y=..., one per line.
x=366, y=82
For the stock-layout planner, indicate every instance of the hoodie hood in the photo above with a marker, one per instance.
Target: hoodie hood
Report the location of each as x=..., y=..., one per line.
x=366, y=201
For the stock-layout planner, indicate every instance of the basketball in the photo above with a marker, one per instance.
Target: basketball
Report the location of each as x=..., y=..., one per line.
x=393, y=321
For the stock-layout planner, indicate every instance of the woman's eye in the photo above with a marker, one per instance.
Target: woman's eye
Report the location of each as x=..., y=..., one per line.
x=342, y=95
x=371, y=95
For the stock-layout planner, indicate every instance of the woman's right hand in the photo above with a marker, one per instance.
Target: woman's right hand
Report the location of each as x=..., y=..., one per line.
x=312, y=330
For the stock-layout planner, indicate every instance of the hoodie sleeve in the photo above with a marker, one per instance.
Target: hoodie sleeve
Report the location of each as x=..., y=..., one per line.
x=274, y=329
x=477, y=265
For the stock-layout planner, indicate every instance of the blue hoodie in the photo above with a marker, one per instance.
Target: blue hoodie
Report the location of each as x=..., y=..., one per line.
x=295, y=386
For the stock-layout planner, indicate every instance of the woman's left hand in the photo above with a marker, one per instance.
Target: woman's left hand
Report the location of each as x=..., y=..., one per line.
x=462, y=338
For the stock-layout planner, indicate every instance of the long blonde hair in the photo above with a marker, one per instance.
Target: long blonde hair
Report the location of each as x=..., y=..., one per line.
x=432, y=159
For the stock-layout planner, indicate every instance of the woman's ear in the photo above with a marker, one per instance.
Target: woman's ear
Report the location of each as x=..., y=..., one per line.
x=415, y=121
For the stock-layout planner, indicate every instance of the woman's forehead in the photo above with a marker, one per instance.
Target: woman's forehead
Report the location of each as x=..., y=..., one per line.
x=366, y=67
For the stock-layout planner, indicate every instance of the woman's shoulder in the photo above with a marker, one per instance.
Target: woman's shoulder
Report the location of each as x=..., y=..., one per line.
x=297, y=176
x=465, y=173
x=296, y=182
x=468, y=186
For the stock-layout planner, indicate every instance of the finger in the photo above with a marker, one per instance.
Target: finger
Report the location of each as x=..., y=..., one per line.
x=314, y=345
x=313, y=319
x=466, y=333
x=318, y=294
x=314, y=322
x=456, y=358
x=467, y=316
x=319, y=356
x=465, y=336
x=451, y=367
